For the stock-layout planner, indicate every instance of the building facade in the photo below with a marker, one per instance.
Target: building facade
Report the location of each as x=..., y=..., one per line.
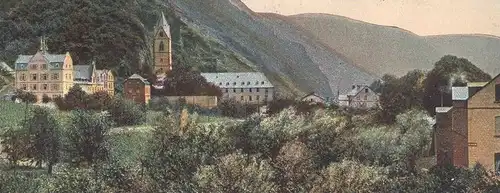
x=44, y=73
x=92, y=80
x=469, y=131
x=162, y=47
x=360, y=96
x=138, y=89
x=245, y=87
x=54, y=74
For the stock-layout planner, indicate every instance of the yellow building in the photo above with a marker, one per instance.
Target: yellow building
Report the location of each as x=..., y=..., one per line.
x=53, y=74
x=44, y=73
x=162, y=47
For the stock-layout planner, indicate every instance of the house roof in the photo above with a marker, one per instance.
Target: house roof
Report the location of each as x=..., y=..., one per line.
x=238, y=80
x=82, y=72
x=138, y=77
x=163, y=24
x=476, y=84
x=50, y=58
x=489, y=82
x=459, y=93
x=313, y=94
x=4, y=66
x=443, y=109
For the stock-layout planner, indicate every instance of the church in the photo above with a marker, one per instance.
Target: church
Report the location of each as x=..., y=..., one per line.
x=246, y=87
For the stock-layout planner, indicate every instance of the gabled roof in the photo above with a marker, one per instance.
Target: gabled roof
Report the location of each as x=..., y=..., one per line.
x=489, y=82
x=163, y=24
x=313, y=94
x=82, y=72
x=50, y=57
x=238, y=80
x=138, y=77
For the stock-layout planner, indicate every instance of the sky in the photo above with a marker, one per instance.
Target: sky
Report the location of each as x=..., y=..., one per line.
x=423, y=17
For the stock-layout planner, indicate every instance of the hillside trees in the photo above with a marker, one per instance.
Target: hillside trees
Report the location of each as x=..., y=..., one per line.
x=183, y=81
x=447, y=72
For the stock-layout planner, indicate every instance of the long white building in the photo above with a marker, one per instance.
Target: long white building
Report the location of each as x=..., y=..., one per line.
x=246, y=87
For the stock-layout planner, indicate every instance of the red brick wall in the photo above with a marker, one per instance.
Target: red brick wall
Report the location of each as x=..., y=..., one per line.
x=460, y=134
x=135, y=90
x=443, y=139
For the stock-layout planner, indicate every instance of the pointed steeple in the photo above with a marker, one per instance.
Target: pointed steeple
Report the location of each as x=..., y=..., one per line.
x=163, y=24
x=43, y=45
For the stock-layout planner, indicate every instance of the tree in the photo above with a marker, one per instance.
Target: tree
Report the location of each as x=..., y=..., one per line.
x=76, y=98
x=26, y=97
x=99, y=101
x=44, y=131
x=46, y=98
x=88, y=136
x=447, y=72
x=278, y=104
x=294, y=164
x=183, y=81
x=126, y=112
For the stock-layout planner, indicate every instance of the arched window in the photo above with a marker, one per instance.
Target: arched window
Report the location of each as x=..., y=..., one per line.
x=162, y=46
x=162, y=34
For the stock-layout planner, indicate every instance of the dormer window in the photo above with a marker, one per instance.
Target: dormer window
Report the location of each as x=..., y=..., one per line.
x=262, y=82
x=227, y=84
x=366, y=90
x=242, y=83
x=234, y=83
x=248, y=83
x=353, y=86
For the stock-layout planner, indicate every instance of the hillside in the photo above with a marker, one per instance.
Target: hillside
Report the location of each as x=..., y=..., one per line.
x=386, y=49
x=272, y=46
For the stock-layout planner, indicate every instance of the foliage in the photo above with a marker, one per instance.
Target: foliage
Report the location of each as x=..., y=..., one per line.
x=233, y=108
x=236, y=173
x=278, y=104
x=100, y=101
x=45, y=141
x=76, y=98
x=124, y=112
x=349, y=176
x=26, y=97
x=18, y=181
x=16, y=145
x=88, y=137
x=400, y=94
x=46, y=98
x=294, y=164
x=447, y=72
x=183, y=81
x=76, y=180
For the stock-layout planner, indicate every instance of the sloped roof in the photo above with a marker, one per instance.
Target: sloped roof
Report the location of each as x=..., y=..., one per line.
x=476, y=84
x=356, y=90
x=238, y=79
x=5, y=66
x=138, y=77
x=313, y=94
x=443, y=109
x=163, y=24
x=82, y=72
x=49, y=57
x=459, y=93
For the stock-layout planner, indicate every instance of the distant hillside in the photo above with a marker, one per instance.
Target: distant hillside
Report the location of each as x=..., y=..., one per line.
x=273, y=46
x=385, y=49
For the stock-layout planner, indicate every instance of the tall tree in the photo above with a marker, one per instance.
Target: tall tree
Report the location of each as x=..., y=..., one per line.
x=447, y=72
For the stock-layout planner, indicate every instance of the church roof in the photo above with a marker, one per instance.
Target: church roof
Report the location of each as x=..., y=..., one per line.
x=163, y=24
x=238, y=80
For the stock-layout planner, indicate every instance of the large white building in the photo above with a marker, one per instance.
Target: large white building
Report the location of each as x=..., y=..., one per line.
x=246, y=87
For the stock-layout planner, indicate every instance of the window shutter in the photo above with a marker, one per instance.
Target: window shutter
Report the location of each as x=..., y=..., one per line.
x=497, y=125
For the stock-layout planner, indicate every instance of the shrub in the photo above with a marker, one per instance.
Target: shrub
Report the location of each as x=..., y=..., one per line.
x=46, y=98
x=76, y=98
x=233, y=108
x=126, y=113
x=60, y=103
x=99, y=101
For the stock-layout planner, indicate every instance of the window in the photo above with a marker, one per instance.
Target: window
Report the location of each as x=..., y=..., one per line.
x=353, y=87
x=497, y=125
x=366, y=90
x=162, y=34
x=45, y=86
x=227, y=84
x=55, y=87
x=366, y=97
x=248, y=83
x=257, y=90
x=34, y=76
x=262, y=82
x=497, y=92
x=250, y=90
x=241, y=90
x=24, y=87
x=234, y=90
x=33, y=87
x=162, y=46
x=44, y=66
x=23, y=77
x=227, y=90
x=258, y=97
x=234, y=83
x=220, y=83
x=242, y=98
x=242, y=83
x=33, y=67
x=497, y=164
x=250, y=98
x=55, y=76
x=267, y=90
x=257, y=83
x=44, y=76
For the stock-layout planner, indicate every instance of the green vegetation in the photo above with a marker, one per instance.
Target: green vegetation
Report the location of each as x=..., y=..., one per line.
x=13, y=113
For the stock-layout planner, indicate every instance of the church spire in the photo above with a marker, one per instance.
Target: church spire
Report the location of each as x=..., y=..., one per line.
x=43, y=45
x=163, y=24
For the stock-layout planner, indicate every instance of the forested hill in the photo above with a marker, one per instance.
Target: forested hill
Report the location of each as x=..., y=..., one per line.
x=116, y=33
x=216, y=35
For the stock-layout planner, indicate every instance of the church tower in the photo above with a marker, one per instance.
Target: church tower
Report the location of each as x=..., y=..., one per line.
x=162, y=47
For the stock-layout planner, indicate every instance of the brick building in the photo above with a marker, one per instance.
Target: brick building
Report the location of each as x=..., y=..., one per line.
x=137, y=88
x=469, y=132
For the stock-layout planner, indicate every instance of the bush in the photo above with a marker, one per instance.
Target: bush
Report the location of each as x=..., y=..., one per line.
x=99, y=101
x=126, y=113
x=46, y=99
x=233, y=108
